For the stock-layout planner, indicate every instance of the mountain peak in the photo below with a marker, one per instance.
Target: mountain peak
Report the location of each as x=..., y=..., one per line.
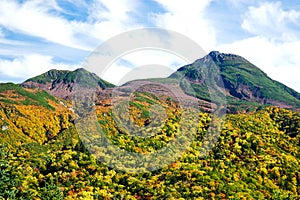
x=213, y=53
x=81, y=70
x=218, y=57
x=61, y=83
x=242, y=81
x=48, y=76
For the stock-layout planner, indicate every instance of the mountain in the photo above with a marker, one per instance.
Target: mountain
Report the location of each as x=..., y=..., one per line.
x=61, y=83
x=245, y=84
x=42, y=156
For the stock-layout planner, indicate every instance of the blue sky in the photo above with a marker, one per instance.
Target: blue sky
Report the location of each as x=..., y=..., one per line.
x=38, y=35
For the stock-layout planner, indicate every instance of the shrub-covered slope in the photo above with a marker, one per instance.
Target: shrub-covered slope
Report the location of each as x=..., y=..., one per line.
x=256, y=157
x=30, y=115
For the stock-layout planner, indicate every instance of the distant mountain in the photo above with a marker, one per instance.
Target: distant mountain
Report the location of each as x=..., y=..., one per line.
x=245, y=84
x=60, y=83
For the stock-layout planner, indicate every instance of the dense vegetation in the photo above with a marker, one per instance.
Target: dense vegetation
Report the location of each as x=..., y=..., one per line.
x=256, y=157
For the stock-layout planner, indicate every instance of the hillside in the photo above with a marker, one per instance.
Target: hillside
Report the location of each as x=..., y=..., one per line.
x=256, y=157
x=30, y=115
x=61, y=83
x=246, y=85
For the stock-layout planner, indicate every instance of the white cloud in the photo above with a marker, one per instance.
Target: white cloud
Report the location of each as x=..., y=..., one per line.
x=32, y=18
x=187, y=18
x=142, y=64
x=115, y=73
x=106, y=19
x=110, y=19
x=108, y=10
x=1, y=33
x=272, y=21
x=30, y=65
x=35, y=18
x=156, y=57
x=275, y=45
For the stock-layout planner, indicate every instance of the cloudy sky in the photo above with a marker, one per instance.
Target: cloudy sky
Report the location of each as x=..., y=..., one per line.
x=38, y=35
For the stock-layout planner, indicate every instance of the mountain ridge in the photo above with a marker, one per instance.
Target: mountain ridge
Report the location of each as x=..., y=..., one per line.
x=61, y=83
x=246, y=86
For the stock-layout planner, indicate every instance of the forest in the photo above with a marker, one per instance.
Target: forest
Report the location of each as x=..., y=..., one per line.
x=42, y=155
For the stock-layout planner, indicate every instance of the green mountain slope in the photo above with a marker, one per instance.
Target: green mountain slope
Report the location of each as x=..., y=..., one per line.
x=49, y=76
x=245, y=84
x=61, y=83
x=64, y=76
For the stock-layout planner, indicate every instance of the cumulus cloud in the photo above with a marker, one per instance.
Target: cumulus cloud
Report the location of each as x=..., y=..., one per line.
x=241, y=3
x=115, y=73
x=275, y=45
x=35, y=18
x=142, y=64
x=43, y=19
x=32, y=18
x=107, y=19
x=29, y=65
x=1, y=33
x=272, y=21
x=157, y=57
x=187, y=18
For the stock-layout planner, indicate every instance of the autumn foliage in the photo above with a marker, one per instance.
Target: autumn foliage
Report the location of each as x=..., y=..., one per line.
x=42, y=156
